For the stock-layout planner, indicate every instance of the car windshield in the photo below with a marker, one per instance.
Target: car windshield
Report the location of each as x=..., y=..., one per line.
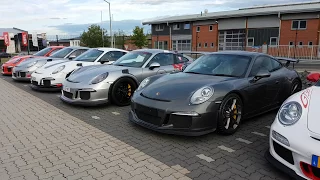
x=61, y=53
x=89, y=56
x=43, y=52
x=133, y=59
x=220, y=65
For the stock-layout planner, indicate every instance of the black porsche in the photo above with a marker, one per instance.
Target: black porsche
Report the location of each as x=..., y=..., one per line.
x=215, y=92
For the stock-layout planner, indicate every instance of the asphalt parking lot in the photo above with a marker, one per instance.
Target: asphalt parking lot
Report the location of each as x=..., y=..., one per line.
x=43, y=138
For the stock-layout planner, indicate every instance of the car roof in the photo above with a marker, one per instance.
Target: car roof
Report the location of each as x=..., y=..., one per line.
x=77, y=47
x=109, y=49
x=153, y=51
x=243, y=53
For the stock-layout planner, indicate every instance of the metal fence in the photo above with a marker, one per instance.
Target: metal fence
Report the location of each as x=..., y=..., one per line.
x=299, y=52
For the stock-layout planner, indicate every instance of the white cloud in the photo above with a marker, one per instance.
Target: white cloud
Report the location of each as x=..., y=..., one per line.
x=46, y=15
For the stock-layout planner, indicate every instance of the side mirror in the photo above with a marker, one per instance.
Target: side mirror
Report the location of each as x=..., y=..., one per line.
x=102, y=61
x=154, y=65
x=79, y=64
x=263, y=73
x=72, y=57
x=49, y=60
x=313, y=77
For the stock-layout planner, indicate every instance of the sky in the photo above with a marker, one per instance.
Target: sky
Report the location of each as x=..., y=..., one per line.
x=72, y=17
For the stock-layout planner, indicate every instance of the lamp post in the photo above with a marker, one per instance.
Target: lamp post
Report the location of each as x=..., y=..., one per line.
x=110, y=23
x=295, y=44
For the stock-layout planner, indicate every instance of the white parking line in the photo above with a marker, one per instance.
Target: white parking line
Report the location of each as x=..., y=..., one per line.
x=204, y=157
x=259, y=134
x=243, y=140
x=116, y=113
x=58, y=95
x=25, y=85
x=268, y=127
x=95, y=117
x=226, y=149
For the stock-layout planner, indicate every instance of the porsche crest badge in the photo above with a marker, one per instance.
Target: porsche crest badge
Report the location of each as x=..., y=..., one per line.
x=157, y=93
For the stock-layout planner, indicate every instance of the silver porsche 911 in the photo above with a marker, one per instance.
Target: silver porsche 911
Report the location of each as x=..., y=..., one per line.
x=100, y=84
x=23, y=71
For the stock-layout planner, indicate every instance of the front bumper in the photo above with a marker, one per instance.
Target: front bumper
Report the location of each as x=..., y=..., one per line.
x=6, y=69
x=21, y=74
x=175, y=117
x=42, y=83
x=85, y=95
x=295, y=159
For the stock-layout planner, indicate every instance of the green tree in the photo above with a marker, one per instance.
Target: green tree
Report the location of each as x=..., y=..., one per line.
x=93, y=37
x=119, y=39
x=139, y=38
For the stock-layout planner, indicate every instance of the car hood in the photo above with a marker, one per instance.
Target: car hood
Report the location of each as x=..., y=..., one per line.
x=313, y=115
x=179, y=85
x=53, y=65
x=25, y=63
x=87, y=73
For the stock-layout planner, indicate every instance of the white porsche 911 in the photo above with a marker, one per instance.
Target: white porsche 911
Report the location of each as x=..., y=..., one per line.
x=295, y=134
x=51, y=76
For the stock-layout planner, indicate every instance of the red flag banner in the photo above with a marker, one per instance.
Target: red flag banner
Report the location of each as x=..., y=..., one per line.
x=24, y=39
x=6, y=38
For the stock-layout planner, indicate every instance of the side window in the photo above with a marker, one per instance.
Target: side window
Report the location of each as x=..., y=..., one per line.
x=54, y=51
x=257, y=66
x=180, y=59
x=75, y=53
x=112, y=56
x=164, y=59
x=275, y=65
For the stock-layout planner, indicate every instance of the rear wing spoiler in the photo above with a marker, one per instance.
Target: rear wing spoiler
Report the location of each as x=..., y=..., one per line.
x=288, y=61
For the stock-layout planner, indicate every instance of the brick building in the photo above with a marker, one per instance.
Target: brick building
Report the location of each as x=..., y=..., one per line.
x=284, y=25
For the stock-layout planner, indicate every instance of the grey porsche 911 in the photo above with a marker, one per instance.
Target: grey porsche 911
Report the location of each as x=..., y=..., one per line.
x=215, y=92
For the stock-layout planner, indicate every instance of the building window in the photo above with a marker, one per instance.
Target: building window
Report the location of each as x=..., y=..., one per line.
x=159, y=27
x=161, y=45
x=198, y=28
x=300, y=44
x=310, y=43
x=210, y=28
x=291, y=43
x=176, y=26
x=181, y=45
x=186, y=26
x=299, y=24
x=250, y=41
x=205, y=45
x=273, y=41
x=212, y=45
x=199, y=45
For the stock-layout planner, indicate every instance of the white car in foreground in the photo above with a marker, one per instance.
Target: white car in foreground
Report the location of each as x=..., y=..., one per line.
x=51, y=76
x=295, y=134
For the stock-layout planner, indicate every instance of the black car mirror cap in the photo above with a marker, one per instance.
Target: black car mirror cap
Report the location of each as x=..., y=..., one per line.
x=154, y=65
x=79, y=64
x=104, y=61
x=262, y=74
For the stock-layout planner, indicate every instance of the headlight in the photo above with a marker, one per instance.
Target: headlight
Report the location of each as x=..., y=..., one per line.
x=31, y=64
x=99, y=78
x=201, y=95
x=290, y=113
x=143, y=83
x=58, y=69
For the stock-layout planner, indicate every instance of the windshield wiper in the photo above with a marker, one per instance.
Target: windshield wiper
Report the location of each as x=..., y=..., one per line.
x=226, y=75
x=191, y=72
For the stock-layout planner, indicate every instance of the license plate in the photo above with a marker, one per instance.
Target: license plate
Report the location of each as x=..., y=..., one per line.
x=315, y=161
x=67, y=89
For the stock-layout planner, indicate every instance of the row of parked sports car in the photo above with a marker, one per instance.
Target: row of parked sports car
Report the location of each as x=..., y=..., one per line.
x=171, y=93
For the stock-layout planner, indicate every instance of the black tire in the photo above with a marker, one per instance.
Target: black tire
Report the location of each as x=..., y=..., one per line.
x=234, y=115
x=122, y=91
x=296, y=86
